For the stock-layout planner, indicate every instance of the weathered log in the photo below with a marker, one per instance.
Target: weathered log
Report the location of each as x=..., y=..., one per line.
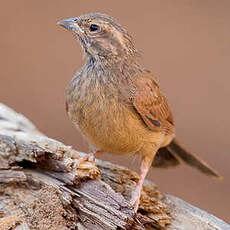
x=43, y=185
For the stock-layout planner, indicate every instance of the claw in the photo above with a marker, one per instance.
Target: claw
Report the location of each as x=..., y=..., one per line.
x=135, y=200
x=145, y=165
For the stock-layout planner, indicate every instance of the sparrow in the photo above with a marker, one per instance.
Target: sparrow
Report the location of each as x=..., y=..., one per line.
x=117, y=104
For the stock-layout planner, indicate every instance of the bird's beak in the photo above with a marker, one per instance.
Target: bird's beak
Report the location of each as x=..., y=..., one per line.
x=69, y=23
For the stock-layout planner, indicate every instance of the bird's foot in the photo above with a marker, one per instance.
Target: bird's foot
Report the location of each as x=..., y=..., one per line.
x=135, y=199
x=84, y=159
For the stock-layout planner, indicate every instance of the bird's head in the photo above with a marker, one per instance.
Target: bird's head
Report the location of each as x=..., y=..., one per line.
x=100, y=35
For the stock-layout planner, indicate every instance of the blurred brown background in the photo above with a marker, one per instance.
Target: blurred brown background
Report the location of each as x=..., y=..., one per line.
x=186, y=44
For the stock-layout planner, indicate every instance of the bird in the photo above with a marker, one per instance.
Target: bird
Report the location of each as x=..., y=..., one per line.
x=117, y=104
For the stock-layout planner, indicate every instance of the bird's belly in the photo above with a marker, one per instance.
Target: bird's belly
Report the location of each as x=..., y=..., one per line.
x=111, y=128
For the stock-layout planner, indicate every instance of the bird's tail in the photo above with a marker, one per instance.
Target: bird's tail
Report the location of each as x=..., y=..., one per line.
x=174, y=152
x=191, y=159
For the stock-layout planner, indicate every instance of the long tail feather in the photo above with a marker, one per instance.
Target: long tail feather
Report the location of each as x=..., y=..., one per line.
x=191, y=159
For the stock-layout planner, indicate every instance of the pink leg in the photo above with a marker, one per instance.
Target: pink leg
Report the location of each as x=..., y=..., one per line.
x=145, y=165
x=92, y=156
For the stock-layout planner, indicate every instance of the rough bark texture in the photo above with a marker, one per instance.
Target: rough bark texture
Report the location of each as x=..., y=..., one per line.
x=43, y=185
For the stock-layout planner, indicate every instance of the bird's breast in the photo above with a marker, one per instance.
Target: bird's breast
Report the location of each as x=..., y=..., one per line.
x=107, y=123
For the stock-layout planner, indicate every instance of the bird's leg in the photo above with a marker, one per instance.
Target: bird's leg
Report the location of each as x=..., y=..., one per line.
x=145, y=165
x=93, y=155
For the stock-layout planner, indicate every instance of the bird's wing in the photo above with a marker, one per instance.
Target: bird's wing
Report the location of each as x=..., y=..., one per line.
x=151, y=104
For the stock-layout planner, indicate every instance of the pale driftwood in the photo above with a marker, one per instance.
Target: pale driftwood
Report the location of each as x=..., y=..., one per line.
x=43, y=186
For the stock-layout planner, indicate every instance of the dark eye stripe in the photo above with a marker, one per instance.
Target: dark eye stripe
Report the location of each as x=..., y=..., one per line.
x=94, y=27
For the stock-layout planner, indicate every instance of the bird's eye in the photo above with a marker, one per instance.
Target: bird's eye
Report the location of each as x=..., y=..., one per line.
x=93, y=27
